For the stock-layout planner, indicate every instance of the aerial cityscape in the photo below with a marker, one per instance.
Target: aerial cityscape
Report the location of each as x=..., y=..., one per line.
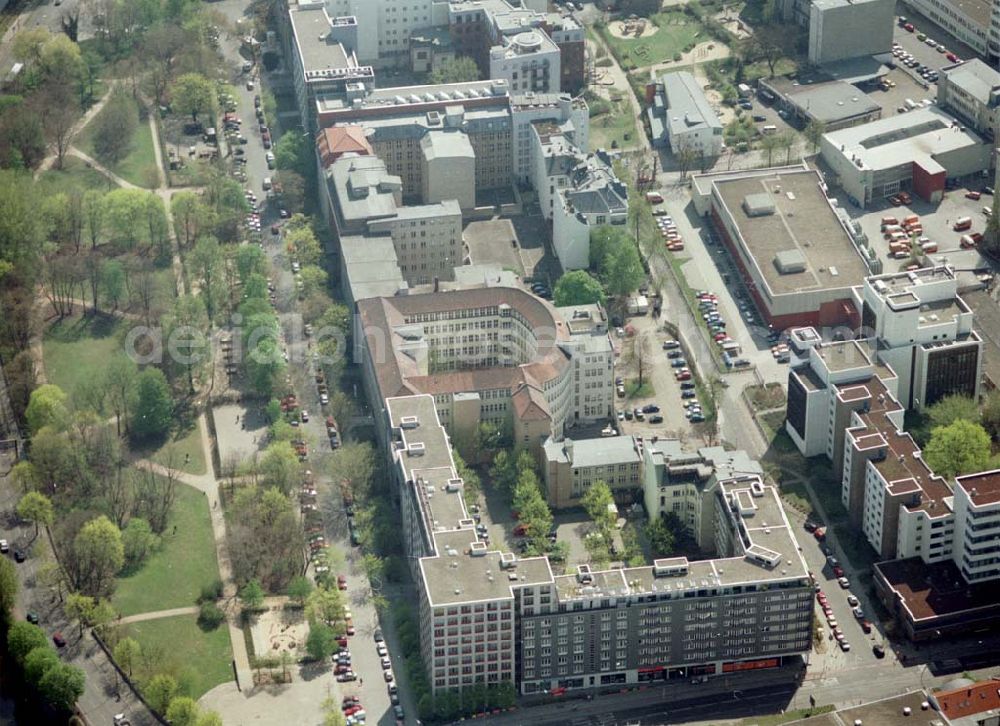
x=618, y=362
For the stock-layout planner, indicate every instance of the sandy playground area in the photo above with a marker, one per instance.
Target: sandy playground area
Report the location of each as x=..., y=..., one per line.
x=633, y=29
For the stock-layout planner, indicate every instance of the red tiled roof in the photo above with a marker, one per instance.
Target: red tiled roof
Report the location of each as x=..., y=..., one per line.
x=970, y=700
x=336, y=141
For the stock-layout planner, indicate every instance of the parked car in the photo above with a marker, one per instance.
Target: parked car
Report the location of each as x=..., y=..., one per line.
x=58, y=639
x=878, y=650
x=657, y=419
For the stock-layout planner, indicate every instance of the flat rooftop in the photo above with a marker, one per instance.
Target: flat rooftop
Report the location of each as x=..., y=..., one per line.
x=403, y=96
x=974, y=77
x=977, y=10
x=802, y=224
x=889, y=712
x=829, y=102
x=311, y=26
x=983, y=488
x=843, y=355
x=916, y=136
x=687, y=106
x=935, y=590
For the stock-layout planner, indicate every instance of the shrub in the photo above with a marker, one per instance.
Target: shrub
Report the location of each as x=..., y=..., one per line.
x=677, y=56
x=210, y=592
x=210, y=616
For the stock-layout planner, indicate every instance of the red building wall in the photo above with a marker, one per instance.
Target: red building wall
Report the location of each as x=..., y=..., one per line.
x=929, y=186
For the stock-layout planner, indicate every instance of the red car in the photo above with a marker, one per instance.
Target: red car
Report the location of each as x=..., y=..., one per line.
x=342, y=641
x=341, y=668
x=909, y=27
x=820, y=534
x=684, y=376
x=351, y=710
x=341, y=582
x=838, y=571
x=954, y=59
x=866, y=626
x=972, y=195
x=350, y=630
x=59, y=640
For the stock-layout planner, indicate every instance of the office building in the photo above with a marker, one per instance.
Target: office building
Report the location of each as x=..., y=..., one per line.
x=321, y=51
x=922, y=328
x=576, y=192
x=844, y=29
x=571, y=115
x=681, y=116
x=973, y=22
x=363, y=200
x=917, y=151
x=494, y=354
x=795, y=253
x=971, y=91
x=489, y=616
x=570, y=468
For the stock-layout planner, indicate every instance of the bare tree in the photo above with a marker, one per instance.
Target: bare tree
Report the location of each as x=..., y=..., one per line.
x=63, y=276
x=155, y=494
x=59, y=112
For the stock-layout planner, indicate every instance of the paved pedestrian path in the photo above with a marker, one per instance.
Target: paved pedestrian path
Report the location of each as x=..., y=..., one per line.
x=157, y=614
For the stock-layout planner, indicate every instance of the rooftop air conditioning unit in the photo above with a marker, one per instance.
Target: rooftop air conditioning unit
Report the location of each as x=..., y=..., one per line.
x=409, y=422
x=415, y=449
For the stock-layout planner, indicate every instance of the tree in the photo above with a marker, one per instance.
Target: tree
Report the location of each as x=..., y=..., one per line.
x=661, y=537
x=127, y=653
x=38, y=662
x=992, y=236
x=325, y=605
x=153, y=414
x=79, y=608
x=154, y=495
x=252, y=595
x=8, y=589
x=962, y=447
x=991, y=414
x=121, y=376
x=23, y=637
x=183, y=711
x=770, y=143
x=191, y=216
x=321, y=641
x=113, y=282
x=47, y=407
x=313, y=279
x=302, y=244
x=115, y=127
x=597, y=501
x=294, y=152
x=787, y=141
x=209, y=718
x=139, y=541
x=93, y=215
x=35, y=507
x=814, y=133
x=952, y=408
x=124, y=214
x=160, y=691
x=265, y=537
x=97, y=556
x=578, y=287
x=192, y=93
x=459, y=70
x=299, y=588
x=58, y=110
x=61, y=686
x=294, y=190
x=279, y=467
x=623, y=271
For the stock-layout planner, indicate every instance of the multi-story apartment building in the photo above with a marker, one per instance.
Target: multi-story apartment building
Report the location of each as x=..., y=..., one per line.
x=977, y=539
x=576, y=192
x=971, y=21
x=493, y=354
x=971, y=91
x=844, y=29
x=489, y=616
x=570, y=468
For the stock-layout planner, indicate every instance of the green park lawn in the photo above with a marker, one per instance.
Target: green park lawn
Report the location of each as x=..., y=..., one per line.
x=174, y=575
x=136, y=165
x=182, y=449
x=199, y=660
x=675, y=32
x=74, y=174
x=613, y=129
x=77, y=348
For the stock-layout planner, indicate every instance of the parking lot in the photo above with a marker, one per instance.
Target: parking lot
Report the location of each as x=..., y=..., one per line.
x=923, y=52
x=937, y=221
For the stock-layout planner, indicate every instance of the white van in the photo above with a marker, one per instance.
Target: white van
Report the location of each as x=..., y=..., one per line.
x=769, y=129
x=267, y=183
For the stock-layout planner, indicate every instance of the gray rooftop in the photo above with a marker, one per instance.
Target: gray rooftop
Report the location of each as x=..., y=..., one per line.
x=975, y=78
x=310, y=26
x=832, y=102
x=587, y=453
x=917, y=136
x=687, y=107
x=362, y=188
x=371, y=266
x=451, y=144
x=803, y=221
x=405, y=97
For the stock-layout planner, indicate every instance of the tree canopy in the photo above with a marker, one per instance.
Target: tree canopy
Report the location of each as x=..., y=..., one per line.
x=578, y=287
x=961, y=447
x=459, y=70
